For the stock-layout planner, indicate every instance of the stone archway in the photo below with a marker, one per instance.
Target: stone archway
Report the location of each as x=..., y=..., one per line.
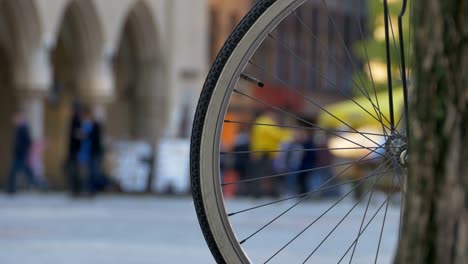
x=7, y=107
x=140, y=108
x=79, y=73
x=79, y=48
x=24, y=72
x=22, y=34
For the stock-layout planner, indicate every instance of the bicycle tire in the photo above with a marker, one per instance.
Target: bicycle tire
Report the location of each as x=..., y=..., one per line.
x=200, y=115
x=216, y=229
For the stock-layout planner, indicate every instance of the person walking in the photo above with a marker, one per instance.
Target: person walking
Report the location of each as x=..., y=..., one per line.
x=265, y=141
x=324, y=161
x=242, y=158
x=74, y=141
x=289, y=160
x=21, y=148
x=307, y=180
x=90, y=153
x=99, y=180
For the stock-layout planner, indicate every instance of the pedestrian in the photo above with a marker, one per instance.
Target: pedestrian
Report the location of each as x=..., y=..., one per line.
x=35, y=161
x=324, y=161
x=306, y=180
x=242, y=157
x=90, y=152
x=21, y=150
x=289, y=161
x=74, y=141
x=266, y=139
x=99, y=180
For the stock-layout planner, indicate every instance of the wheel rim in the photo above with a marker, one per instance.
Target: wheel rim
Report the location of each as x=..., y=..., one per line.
x=224, y=233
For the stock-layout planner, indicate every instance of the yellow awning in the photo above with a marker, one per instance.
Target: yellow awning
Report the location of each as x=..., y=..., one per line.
x=354, y=115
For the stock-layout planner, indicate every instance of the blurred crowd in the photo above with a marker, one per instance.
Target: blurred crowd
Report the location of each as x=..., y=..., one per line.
x=276, y=157
x=83, y=166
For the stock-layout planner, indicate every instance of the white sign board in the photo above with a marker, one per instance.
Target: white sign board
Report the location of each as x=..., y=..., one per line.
x=132, y=168
x=172, y=166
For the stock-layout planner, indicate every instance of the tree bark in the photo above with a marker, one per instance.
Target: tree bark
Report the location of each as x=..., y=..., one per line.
x=435, y=225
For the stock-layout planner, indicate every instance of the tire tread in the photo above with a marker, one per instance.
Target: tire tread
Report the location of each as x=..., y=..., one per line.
x=197, y=130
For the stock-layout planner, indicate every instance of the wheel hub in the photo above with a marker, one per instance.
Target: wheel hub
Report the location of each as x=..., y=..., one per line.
x=396, y=148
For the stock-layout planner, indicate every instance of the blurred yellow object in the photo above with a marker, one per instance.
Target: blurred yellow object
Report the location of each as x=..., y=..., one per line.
x=354, y=112
x=350, y=145
x=267, y=137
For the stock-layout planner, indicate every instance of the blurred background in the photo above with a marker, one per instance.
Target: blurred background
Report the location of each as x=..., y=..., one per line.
x=129, y=72
x=139, y=66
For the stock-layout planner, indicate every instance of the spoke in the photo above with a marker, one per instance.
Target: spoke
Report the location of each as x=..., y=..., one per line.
x=370, y=72
x=305, y=198
x=319, y=217
x=400, y=181
x=362, y=223
x=404, y=76
x=287, y=86
x=346, y=215
x=321, y=107
x=389, y=67
x=350, y=56
x=299, y=118
x=360, y=227
x=301, y=171
x=367, y=225
x=409, y=37
x=326, y=51
x=383, y=223
x=292, y=150
x=343, y=43
x=310, y=100
x=395, y=57
x=401, y=67
x=304, y=194
x=365, y=228
x=399, y=121
x=402, y=204
x=405, y=130
x=316, y=127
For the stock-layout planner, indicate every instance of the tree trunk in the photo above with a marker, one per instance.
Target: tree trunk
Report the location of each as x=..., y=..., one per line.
x=435, y=226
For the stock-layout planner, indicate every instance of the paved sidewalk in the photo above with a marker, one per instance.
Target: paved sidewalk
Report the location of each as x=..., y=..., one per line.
x=53, y=229
x=56, y=229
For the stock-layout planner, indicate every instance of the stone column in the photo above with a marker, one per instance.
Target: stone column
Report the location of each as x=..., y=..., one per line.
x=31, y=79
x=31, y=103
x=95, y=87
x=150, y=104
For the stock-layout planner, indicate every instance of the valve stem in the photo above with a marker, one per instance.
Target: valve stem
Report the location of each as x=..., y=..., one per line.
x=252, y=80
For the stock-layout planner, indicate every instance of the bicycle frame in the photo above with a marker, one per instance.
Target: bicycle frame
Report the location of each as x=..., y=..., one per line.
x=403, y=64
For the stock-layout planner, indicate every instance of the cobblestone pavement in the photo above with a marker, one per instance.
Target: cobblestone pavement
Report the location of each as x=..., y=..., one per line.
x=53, y=229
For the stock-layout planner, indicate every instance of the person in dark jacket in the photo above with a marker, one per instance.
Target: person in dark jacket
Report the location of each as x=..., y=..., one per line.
x=74, y=141
x=242, y=158
x=99, y=180
x=309, y=161
x=21, y=148
x=90, y=152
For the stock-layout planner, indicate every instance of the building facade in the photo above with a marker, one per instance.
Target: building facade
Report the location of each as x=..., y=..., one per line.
x=312, y=51
x=140, y=64
x=224, y=15
x=128, y=59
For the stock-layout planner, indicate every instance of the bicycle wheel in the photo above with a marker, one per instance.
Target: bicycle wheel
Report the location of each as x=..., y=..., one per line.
x=318, y=175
